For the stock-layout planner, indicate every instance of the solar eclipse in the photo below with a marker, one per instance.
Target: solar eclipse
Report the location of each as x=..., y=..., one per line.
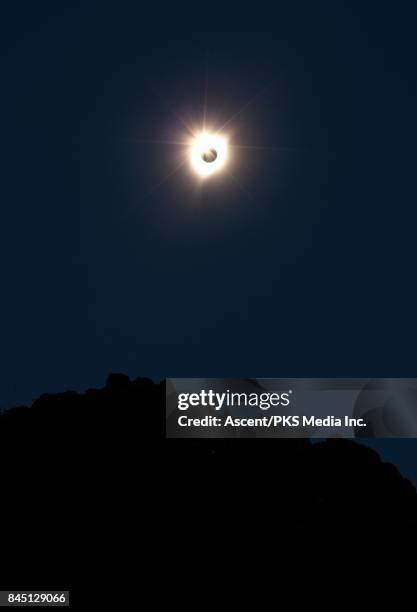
x=208, y=148
x=208, y=153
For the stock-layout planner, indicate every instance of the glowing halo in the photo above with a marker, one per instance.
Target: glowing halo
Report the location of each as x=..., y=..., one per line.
x=208, y=153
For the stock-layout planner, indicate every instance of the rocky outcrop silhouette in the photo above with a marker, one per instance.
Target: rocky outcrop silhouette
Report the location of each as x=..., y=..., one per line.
x=79, y=470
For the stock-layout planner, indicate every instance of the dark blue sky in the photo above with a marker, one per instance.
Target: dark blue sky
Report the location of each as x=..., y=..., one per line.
x=301, y=265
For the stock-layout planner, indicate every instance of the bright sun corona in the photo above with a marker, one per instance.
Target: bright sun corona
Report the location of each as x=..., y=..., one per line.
x=208, y=153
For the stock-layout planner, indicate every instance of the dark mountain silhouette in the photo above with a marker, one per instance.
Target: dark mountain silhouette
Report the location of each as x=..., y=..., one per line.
x=84, y=474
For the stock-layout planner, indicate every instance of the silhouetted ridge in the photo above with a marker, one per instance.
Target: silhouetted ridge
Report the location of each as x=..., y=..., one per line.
x=83, y=466
x=64, y=461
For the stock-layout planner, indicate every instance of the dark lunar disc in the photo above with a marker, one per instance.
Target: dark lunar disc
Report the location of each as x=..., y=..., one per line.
x=209, y=156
